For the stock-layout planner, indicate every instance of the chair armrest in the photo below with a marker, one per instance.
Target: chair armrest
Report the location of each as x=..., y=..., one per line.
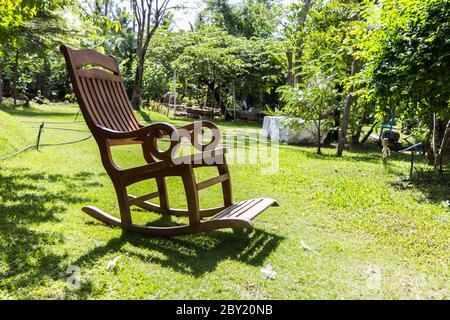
x=155, y=129
x=149, y=136
x=193, y=130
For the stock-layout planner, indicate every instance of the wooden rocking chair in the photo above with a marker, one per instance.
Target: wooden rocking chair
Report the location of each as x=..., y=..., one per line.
x=101, y=95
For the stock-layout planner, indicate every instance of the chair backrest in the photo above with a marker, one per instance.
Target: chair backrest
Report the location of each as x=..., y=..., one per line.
x=99, y=89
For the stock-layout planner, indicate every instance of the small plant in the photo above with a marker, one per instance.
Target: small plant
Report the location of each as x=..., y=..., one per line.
x=70, y=97
x=312, y=101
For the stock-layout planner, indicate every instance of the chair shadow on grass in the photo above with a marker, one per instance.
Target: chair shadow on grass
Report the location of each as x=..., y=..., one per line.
x=194, y=255
x=26, y=201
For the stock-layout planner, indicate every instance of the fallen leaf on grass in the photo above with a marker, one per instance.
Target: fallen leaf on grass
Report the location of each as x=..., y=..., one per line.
x=267, y=272
x=113, y=263
x=305, y=246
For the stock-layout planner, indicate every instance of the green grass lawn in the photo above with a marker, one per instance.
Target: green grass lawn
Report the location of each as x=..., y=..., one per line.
x=346, y=228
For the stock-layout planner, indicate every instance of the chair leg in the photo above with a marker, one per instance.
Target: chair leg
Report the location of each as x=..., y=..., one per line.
x=190, y=188
x=124, y=205
x=226, y=185
x=163, y=196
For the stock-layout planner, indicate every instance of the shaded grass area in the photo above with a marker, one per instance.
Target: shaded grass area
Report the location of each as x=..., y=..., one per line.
x=372, y=234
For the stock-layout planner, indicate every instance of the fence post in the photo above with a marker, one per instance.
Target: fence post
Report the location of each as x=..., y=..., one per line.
x=41, y=127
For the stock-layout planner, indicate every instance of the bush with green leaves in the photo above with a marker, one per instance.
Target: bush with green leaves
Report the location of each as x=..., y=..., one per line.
x=313, y=101
x=412, y=69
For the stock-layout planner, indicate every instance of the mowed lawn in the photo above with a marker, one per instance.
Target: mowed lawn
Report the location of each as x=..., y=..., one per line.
x=346, y=228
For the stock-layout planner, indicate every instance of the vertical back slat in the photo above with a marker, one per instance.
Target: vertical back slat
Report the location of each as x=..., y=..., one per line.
x=116, y=109
x=85, y=96
x=117, y=102
x=122, y=93
x=104, y=117
x=107, y=109
x=113, y=95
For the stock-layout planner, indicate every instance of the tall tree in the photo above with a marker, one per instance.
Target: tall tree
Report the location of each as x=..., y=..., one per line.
x=247, y=18
x=299, y=27
x=1, y=70
x=14, y=16
x=148, y=14
x=347, y=111
x=411, y=68
x=294, y=32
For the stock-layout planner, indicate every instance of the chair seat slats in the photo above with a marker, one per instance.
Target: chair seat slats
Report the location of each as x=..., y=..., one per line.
x=246, y=210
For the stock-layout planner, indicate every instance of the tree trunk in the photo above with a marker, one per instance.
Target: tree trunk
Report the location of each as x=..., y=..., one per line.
x=290, y=75
x=147, y=17
x=346, y=116
x=136, y=97
x=357, y=135
x=134, y=15
x=1, y=79
x=319, y=144
x=15, y=74
x=435, y=138
x=47, y=67
x=366, y=137
x=299, y=52
x=215, y=97
x=439, y=157
x=106, y=8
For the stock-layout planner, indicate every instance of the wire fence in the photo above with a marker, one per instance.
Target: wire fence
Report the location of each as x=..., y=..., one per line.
x=52, y=122
x=38, y=138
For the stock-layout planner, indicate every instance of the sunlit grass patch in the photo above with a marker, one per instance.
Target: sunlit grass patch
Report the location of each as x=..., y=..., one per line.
x=370, y=232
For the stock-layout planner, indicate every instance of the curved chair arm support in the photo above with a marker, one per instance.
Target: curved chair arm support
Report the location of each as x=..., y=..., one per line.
x=149, y=136
x=193, y=130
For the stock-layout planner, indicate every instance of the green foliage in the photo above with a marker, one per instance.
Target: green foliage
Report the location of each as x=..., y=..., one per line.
x=15, y=13
x=248, y=18
x=412, y=67
x=239, y=51
x=211, y=59
x=312, y=101
x=156, y=81
x=41, y=69
x=401, y=47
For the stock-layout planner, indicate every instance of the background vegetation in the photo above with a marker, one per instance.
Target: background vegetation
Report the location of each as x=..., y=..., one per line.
x=375, y=58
